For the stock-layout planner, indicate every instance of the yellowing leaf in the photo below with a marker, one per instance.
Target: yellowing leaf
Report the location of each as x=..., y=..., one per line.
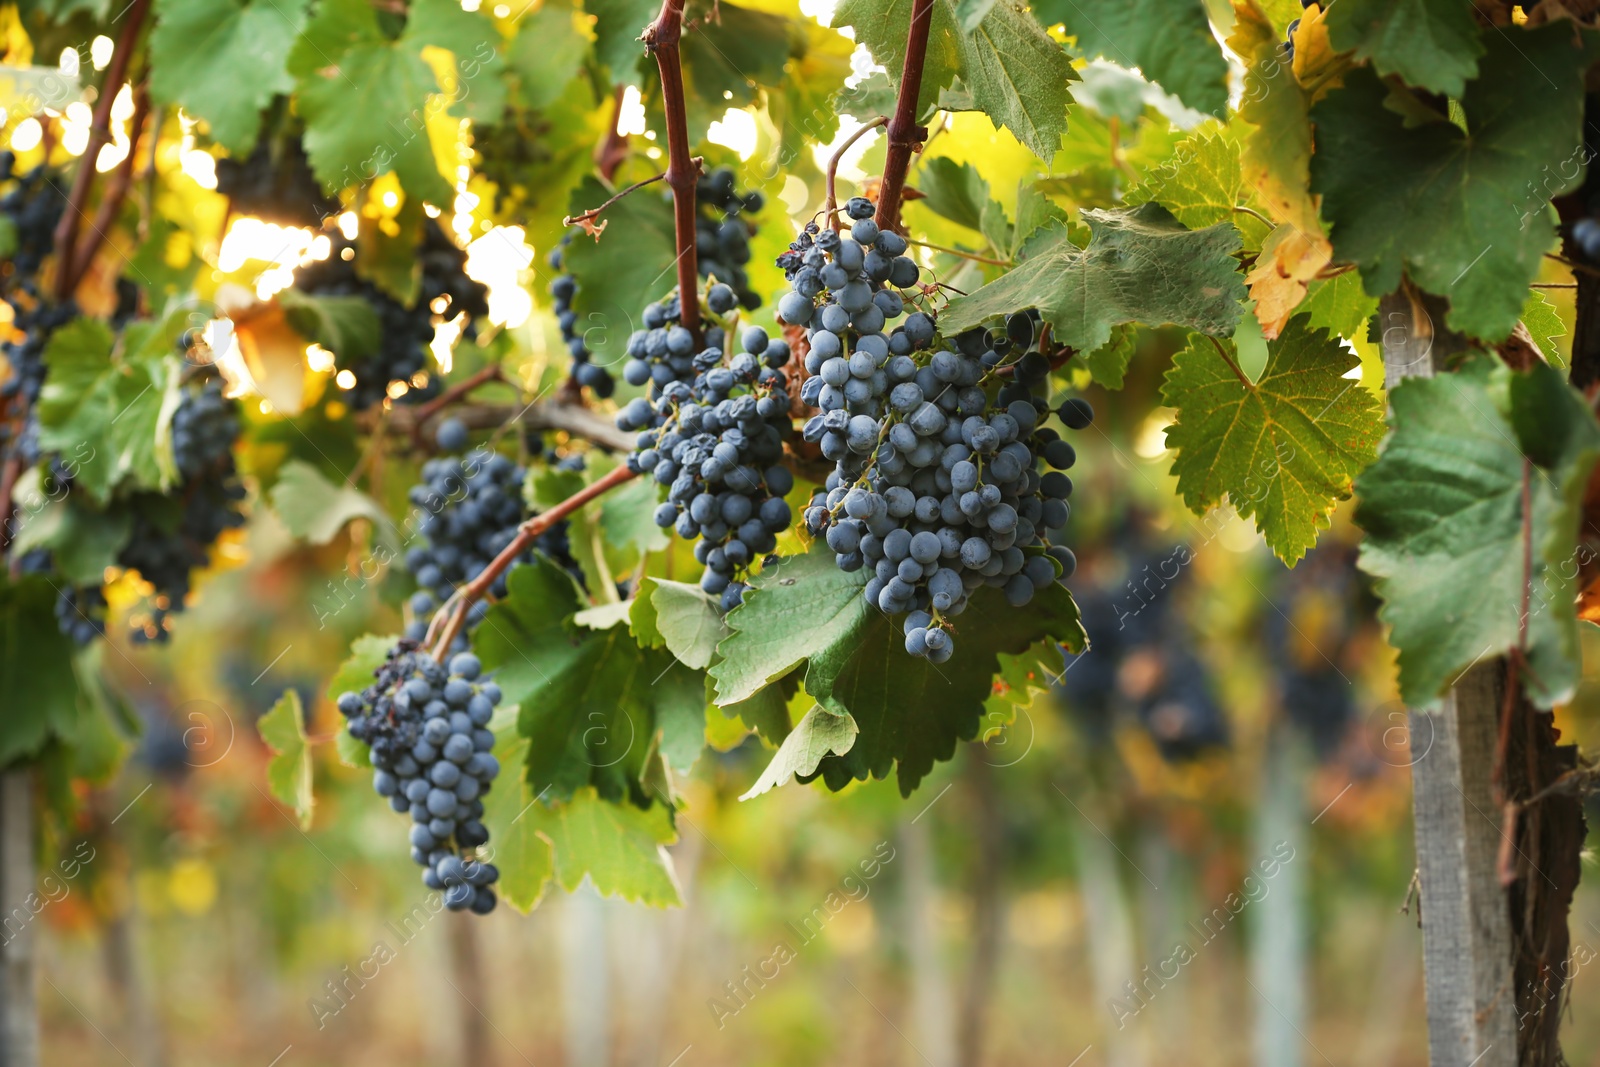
x=275, y=354
x=1290, y=261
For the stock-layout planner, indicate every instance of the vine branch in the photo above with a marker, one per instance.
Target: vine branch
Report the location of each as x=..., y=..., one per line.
x=831, y=209
x=613, y=149
x=66, y=236
x=683, y=170
x=105, y=216
x=904, y=133
x=571, y=418
x=424, y=412
x=454, y=612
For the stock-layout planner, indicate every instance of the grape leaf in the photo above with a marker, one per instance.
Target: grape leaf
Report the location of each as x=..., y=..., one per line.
x=519, y=850
x=1009, y=67
x=224, y=61
x=289, y=770
x=1141, y=265
x=1169, y=41
x=1108, y=364
x=1200, y=185
x=315, y=510
x=547, y=53
x=1544, y=326
x=681, y=617
x=1275, y=153
x=592, y=701
x=798, y=608
x=621, y=849
x=38, y=687
x=951, y=190
x=619, y=274
x=1442, y=510
x=102, y=409
x=1430, y=200
x=1430, y=44
x=820, y=733
x=727, y=60
x=1284, y=448
x=1339, y=305
x=910, y=712
x=617, y=27
x=479, y=92
x=365, y=99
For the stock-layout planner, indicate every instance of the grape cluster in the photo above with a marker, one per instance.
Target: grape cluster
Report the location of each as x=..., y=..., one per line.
x=405, y=332
x=473, y=507
x=275, y=183
x=432, y=756
x=80, y=611
x=722, y=245
x=934, y=486
x=33, y=205
x=584, y=370
x=716, y=442
x=165, y=548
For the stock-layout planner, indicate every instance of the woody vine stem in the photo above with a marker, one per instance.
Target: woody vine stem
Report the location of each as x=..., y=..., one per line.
x=661, y=39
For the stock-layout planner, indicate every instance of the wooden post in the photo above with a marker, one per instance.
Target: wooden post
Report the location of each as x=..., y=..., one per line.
x=19, y=1017
x=1466, y=929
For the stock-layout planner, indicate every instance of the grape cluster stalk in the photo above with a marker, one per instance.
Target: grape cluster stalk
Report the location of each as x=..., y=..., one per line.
x=427, y=726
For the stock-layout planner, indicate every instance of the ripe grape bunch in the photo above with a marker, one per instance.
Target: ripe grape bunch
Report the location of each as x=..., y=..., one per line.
x=934, y=486
x=715, y=440
x=432, y=756
x=275, y=183
x=204, y=429
x=473, y=506
x=584, y=370
x=32, y=205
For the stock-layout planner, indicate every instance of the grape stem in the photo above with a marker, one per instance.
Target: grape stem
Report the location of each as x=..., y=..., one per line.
x=68, y=254
x=594, y=212
x=683, y=170
x=449, y=618
x=424, y=412
x=832, y=208
x=571, y=418
x=960, y=254
x=904, y=133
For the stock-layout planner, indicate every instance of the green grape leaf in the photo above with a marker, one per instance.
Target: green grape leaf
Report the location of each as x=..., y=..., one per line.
x=1141, y=265
x=547, y=53
x=1284, y=448
x=83, y=542
x=1339, y=305
x=628, y=522
x=625, y=269
x=1169, y=41
x=1429, y=44
x=910, y=712
x=1108, y=364
x=224, y=61
x=592, y=700
x=727, y=59
x=821, y=733
x=520, y=851
x=1438, y=204
x=621, y=849
x=315, y=510
x=102, y=409
x=289, y=770
x=618, y=25
x=684, y=619
x=473, y=41
x=347, y=326
x=767, y=713
x=367, y=653
x=1444, y=521
x=38, y=687
x=1008, y=67
x=1544, y=326
x=951, y=190
x=1201, y=184
x=365, y=101
x=798, y=608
